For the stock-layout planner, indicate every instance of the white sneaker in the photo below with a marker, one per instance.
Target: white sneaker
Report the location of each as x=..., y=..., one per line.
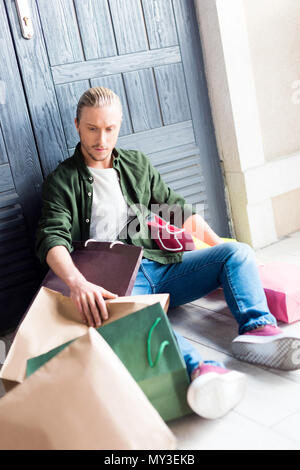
x=269, y=347
x=215, y=391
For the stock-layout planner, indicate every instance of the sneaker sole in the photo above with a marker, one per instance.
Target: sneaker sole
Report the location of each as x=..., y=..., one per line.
x=212, y=395
x=282, y=353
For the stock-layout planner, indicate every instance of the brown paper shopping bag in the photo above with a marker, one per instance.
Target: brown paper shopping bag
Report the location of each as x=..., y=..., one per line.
x=83, y=398
x=53, y=320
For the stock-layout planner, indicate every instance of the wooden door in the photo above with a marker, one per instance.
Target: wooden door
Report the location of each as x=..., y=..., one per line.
x=148, y=52
x=20, y=183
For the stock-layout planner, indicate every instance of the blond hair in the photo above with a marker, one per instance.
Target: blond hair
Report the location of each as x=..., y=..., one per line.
x=97, y=97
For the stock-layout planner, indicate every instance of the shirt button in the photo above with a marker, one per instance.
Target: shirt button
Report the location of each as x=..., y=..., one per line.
x=87, y=220
x=89, y=194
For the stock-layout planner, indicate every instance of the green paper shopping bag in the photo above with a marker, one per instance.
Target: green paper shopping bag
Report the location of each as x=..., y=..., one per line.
x=145, y=343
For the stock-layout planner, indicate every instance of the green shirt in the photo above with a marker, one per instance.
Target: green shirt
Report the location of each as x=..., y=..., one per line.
x=67, y=203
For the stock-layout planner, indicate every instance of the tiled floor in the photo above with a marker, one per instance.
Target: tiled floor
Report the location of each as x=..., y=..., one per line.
x=269, y=415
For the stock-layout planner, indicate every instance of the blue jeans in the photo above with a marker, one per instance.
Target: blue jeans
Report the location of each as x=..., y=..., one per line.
x=231, y=266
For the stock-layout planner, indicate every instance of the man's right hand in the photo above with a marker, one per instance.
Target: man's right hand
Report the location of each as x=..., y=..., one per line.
x=89, y=301
x=87, y=297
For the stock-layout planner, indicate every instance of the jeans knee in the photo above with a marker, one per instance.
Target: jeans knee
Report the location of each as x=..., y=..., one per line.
x=240, y=250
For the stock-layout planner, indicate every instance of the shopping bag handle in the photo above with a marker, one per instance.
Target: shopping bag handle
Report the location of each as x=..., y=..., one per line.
x=93, y=240
x=163, y=345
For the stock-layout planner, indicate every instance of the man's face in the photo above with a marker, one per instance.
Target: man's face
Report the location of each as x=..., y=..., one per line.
x=99, y=129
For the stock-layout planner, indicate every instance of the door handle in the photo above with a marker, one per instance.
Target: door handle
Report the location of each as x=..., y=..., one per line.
x=24, y=15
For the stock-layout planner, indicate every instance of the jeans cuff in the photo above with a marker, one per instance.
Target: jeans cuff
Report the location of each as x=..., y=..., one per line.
x=256, y=324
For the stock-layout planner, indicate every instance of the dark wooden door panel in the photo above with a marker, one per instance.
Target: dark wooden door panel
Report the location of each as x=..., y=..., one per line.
x=39, y=90
x=20, y=183
x=98, y=39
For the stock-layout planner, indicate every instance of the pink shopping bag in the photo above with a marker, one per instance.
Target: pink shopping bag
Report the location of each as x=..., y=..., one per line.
x=169, y=237
x=281, y=283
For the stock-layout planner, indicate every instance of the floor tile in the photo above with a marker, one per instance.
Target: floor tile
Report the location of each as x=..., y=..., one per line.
x=204, y=326
x=269, y=397
x=285, y=248
x=289, y=427
x=232, y=432
x=295, y=234
x=215, y=302
x=279, y=258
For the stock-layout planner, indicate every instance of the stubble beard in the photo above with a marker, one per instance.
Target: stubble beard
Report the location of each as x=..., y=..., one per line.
x=93, y=157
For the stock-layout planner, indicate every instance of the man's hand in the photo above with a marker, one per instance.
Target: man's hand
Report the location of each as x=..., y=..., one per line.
x=87, y=297
x=89, y=301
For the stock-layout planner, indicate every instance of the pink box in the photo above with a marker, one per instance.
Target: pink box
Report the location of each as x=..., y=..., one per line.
x=281, y=283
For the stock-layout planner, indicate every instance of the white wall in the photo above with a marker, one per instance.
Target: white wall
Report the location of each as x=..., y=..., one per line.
x=251, y=50
x=274, y=40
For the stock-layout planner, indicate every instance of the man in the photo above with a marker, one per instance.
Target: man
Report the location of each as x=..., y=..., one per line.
x=95, y=194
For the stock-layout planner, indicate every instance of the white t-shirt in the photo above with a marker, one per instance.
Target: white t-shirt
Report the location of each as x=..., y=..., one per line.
x=110, y=212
